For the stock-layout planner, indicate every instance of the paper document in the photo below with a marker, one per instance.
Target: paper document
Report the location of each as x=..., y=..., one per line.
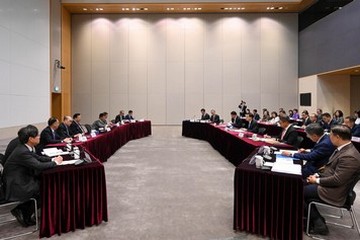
x=52, y=152
x=68, y=162
x=285, y=164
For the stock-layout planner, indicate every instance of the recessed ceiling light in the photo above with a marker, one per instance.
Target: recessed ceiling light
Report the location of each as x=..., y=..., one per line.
x=85, y=9
x=357, y=70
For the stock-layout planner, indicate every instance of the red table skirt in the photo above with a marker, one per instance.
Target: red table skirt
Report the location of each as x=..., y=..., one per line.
x=75, y=197
x=72, y=197
x=268, y=204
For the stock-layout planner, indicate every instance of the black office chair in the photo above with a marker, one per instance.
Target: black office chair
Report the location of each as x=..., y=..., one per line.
x=348, y=206
x=88, y=128
x=5, y=217
x=298, y=141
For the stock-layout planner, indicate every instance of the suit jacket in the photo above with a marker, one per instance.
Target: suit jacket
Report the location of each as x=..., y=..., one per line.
x=338, y=174
x=215, y=119
x=75, y=128
x=129, y=117
x=63, y=131
x=319, y=154
x=256, y=117
x=119, y=118
x=47, y=137
x=290, y=136
x=98, y=124
x=252, y=126
x=307, y=121
x=237, y=122
x=328, y=126
x=205, y=117
x=20, y=173
x=355, y=131
x=10, y=148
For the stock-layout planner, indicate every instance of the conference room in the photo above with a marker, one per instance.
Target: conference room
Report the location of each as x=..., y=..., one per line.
x=166, y=174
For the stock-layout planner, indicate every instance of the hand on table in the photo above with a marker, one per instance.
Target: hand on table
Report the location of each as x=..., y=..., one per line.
x=58, y=160
x=311, y=179
x=286, y=153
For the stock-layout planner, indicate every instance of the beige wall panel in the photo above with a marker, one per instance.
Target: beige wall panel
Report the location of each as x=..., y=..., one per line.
x=100, y=103
x=137, y=40
x=193, y=104
x=81, y=76
x=157, y=108
x=213, y=46
x=175, y=98
x=270, y=101
x=250, y=77
x=138, y=103
x=232, y=38
x=119, y=38
x=213, y=77
x=100, y=78
x=157, y=40
x=251, y=38
x=82, y=103
x=81, y=39
x=138, y=78
x=309, y=85
x=232, y=78
x=156, y=78
x=194, y=40
x=270, y=77
x=119, y=77
x=118, y=102
x=175, y=40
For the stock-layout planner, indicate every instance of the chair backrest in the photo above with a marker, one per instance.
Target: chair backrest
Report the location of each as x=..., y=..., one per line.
x=352, y=194
x=298, y=141
x=88, y=128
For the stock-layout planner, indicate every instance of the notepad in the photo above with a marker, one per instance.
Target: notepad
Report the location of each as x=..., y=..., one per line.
x=69, y=162
x=53, y=152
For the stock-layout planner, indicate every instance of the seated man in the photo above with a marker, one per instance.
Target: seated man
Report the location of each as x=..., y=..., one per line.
x=120, y=117
x=350, y=122
x=289, y=134
x=256, y=115
x=319, y=154
x=235, y=120
x=333, y=184
x=20, y=174
x=214, y=117
x=64, y=128
x=100, y=123
x=305, y=118
x=327, y=122
x=129, y=116
x=252, y=125
x=75, y=127
x=204, y=115
x=314, y=118
x=49, y=135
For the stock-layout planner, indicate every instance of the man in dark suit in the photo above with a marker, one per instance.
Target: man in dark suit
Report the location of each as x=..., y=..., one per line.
x=20, y=173
x=129, y=116
x=327, y=122
x=305, y=118
x=256, y=115
x=100, y=123
x=355, y=128
x=289, y=134
x=204, y=115
x=75, y=127
x=49, y=135
x=319, y=154
x=252, y=125
x=333, y=183
x=236, y=121
x=214, y=118
x=120, y=117
x=64, y=130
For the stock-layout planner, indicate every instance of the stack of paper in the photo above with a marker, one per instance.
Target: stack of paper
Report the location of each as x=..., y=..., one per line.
x=285, y=165
x=52, y=152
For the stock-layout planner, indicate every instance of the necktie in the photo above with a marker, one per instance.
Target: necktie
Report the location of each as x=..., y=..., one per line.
x=283, y=134
x=67, y=130
x=53, y=133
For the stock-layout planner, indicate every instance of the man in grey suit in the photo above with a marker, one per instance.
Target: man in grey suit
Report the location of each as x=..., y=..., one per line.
x=333, y=183
x=20, y=173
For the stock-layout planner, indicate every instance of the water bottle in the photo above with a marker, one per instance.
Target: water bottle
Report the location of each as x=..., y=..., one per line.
x=76, y=153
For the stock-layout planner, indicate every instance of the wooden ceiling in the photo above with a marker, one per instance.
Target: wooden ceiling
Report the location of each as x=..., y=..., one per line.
x=347, y=71
x=226, y=7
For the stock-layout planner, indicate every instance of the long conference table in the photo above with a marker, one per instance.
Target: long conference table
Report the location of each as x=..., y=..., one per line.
x=265, y=203
x=74, y=197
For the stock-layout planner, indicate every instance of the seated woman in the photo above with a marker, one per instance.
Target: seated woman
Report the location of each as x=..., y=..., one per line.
x=274, y=118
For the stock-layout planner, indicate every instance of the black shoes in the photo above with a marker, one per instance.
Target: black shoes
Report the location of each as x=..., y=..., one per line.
x=319, y=227
x=19, y=217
